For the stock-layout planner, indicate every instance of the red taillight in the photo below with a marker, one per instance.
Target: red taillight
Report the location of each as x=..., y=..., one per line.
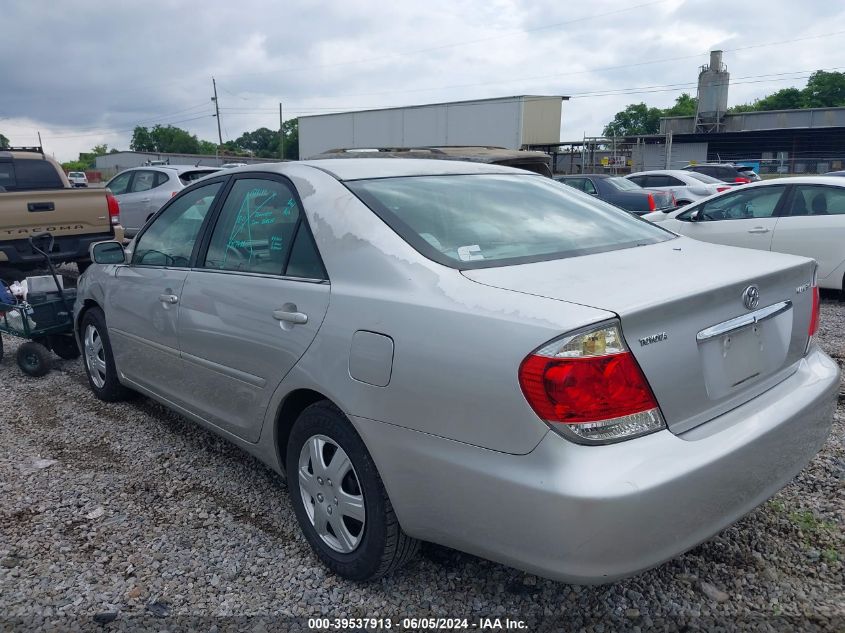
x=814, y=316
x=114, y=208
x=721, y=189
x=173, y=194
x=590, y=386
x=579, y=390
x=651, y=204
x=742, y=179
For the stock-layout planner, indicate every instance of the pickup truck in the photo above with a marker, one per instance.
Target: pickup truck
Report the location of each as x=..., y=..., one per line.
x=35, y=196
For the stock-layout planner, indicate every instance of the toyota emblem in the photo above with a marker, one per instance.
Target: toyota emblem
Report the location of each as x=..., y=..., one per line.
x=751, y=297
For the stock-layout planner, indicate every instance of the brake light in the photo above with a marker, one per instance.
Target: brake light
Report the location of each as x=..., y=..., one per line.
x=589, y=387
x=814, y=315
x=721, y=189
x=651, y=204
x=114, y=209
x=173, y=194
x=742, y=179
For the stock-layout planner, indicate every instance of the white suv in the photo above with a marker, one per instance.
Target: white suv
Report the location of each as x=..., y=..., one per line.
x=77, y=179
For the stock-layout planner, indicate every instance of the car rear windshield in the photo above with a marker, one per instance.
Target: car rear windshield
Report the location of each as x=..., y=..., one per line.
x=704, y=177
x=481, y=221
x=622, y=184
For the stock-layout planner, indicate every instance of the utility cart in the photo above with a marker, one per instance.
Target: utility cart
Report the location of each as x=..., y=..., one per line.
x=45, y=320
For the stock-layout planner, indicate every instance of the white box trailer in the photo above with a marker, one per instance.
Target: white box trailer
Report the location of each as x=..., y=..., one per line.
x=509, y=122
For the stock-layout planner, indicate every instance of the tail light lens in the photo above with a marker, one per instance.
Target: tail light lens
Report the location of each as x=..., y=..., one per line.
x=589, y=387
x=173, y=194
x=742, y=179
x=721, y=189
x=114, y=209
x=651, y=205
x=814, y=316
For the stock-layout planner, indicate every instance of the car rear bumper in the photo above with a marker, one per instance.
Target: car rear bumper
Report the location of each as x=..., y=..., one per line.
x=592, y=514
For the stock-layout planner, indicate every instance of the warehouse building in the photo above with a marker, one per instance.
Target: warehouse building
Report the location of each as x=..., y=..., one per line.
x=510, y=122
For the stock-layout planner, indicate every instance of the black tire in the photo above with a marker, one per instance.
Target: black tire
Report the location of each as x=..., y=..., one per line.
x=34, y=359
x=111, y=390
x=1, y=348
x=383, y=546
x=64, y=346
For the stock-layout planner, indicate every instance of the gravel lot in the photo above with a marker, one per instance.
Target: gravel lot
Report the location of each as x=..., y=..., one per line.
x=141, y=515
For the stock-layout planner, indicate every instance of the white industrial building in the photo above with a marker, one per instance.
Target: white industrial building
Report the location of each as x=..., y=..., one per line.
x=510, y=122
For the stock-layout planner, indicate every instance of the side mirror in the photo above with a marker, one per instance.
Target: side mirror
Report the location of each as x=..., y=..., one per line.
x=108, y=253
x=694, y=215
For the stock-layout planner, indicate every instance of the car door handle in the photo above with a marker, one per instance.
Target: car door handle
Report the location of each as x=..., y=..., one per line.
x=758, y=229
x=297, y=318
x=171, y=299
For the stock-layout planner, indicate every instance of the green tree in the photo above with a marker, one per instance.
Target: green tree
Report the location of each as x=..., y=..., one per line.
x=824, y=90
x=207, y=147
x=88, y=160
x=291, y=129
x=685, y=105
x=164, y=138
x=637, y=118
x=4, y=142
x=75, y=165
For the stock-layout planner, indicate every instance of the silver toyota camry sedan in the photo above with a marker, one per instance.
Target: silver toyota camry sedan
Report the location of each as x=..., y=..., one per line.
x=467, y=354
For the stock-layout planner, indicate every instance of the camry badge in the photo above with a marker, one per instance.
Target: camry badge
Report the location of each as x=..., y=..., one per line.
x=654, y=338
x=751, y=297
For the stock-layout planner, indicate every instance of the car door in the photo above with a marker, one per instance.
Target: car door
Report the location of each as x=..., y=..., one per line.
x=252, y=305
x=814, y=226
x=745, y=218
x=135, y=202
x=142, y=303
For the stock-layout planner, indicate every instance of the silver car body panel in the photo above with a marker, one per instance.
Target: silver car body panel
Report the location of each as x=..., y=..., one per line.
x=450, y=431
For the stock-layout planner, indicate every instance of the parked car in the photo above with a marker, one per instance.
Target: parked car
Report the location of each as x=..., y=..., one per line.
x=142, y=191
x=835, y=173
x=685, y=186
x=77, y=179
x=537, y=162
x=726, y=172
x=621, y=193
x=467, y=354
x=804, y=216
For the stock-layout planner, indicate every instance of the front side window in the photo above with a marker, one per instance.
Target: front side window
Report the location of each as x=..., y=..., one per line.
x=169, y=240
x=479, y=221
x=120, y=183
x=818, y=200
x=589, y=187
x=256, y=228
x=745, y=204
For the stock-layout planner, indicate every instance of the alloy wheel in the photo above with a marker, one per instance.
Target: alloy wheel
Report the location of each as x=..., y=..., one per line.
x=95, y=357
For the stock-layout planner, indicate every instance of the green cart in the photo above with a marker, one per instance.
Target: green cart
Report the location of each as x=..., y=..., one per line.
x=45, y=324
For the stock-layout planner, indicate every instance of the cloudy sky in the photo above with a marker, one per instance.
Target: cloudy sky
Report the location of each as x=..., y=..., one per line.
x=86, y=72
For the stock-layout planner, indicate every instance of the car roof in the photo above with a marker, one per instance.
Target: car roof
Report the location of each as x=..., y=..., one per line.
x=586, y=176
x=795, y=180
x=365, y=168
x=177, y=168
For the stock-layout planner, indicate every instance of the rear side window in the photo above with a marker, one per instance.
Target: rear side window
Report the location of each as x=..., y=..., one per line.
x=256, y=228
x=818, y=200
x=7, y=175
x=190, y=176
x=143, y=181
x=480, y=221
x=36, y=174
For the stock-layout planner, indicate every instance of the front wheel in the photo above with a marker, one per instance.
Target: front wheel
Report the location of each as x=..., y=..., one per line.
x=339, y=499
x=98, y=358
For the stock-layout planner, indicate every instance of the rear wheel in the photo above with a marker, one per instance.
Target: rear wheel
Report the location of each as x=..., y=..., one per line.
x=64, y=346
x=339, y=499
x=98, y=358
x=33, y=359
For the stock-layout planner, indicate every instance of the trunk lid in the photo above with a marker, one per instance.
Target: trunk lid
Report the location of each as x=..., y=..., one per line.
x=662, y=199
x=683, y=316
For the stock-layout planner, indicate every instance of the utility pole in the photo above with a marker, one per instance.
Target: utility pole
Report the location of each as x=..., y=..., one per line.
x=217, y=114
x=281, y=132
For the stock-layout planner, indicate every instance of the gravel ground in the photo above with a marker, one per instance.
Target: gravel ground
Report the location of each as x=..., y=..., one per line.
x=129, y=512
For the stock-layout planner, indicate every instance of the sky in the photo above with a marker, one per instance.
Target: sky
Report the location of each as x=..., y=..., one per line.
x=87, y=72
